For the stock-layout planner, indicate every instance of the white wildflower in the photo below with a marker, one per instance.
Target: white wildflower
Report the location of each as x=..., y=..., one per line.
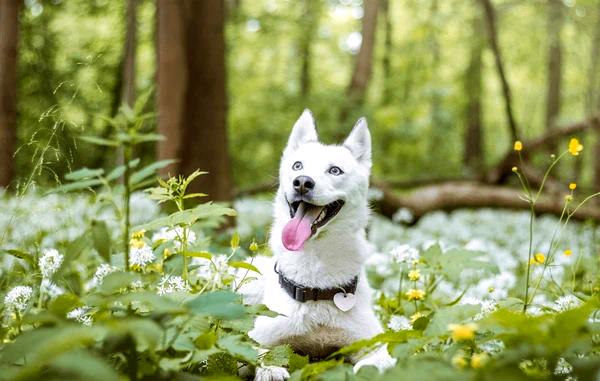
x=403, y=215
x=81, y=315
x=562, y=367
x=137, y=285
x=17, y=299
x=172, y=283
x=101, y=272
x=51, y=289
x=399, y=323
x=140, y=257
x=492, y=346
x=49, y=262
x=405, y=253
x=567, y=302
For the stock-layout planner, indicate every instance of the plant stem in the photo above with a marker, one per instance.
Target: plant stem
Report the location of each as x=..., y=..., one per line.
x=126, y=175
x=531, y=216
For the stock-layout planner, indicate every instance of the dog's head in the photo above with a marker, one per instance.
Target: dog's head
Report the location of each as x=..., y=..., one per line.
x=324, y=186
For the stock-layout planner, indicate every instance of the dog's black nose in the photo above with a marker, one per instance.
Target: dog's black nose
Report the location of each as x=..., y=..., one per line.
x=303, y=184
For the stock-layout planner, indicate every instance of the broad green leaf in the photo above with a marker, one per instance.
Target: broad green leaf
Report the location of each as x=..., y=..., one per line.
x=99, y=141
x=457, y=314
x=243, y=265
x=115, y=281
x=83, y=365
x=154, y=302
x=149, y=170
x=238, y=348
x=79, y=185
x=116, y=173
x=206, y=341
x=220, y=304
x=64, y=303
x=278, y=356
x=101, y=239
x=84, y=173
x=199, y=254
x=27, y=257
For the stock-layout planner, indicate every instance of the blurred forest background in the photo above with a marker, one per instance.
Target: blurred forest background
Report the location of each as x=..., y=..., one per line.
x=446, y=85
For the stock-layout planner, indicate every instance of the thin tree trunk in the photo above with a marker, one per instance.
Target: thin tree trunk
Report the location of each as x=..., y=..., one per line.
x=356, y=90
x=490, y=17
x=593, y=99
x=192, y=97
x=553, y=93
x=473, y=153
x=128, y=75
x=387, y=52
x=9, y=37
x=309, y=24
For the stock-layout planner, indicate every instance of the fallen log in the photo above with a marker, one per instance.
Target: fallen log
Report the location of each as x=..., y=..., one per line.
x=470, y=194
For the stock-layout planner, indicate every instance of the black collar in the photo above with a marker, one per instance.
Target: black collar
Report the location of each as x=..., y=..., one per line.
x=302, y=294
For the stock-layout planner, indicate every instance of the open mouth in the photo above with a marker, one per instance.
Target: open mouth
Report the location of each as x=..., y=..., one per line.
x=306, y=219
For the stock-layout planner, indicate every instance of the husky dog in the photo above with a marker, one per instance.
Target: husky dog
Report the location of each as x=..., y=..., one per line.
x=316, y=280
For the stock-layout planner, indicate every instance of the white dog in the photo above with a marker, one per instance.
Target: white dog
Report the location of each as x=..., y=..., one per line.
x=316, y=280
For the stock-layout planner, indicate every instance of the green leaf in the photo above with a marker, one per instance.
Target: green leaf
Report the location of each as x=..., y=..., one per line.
x=116, y=173
x=149, y=170
x=438, y=326
x=188, y=217
x=21, y=255
x=154, y=302
x=243, y=265
x=206, y=341
x=238, y=348
x=99, y=141
x=79, y=185
x=383, y=338
x=115, y=281
x=83, y=365
x=278, y=356
x=101, y=239
x=199, y=254
x=63, y=304
x=84, y=173
x=220, y=304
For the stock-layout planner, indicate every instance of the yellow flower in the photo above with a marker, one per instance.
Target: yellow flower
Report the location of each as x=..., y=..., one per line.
x=575, y=147
x=414, y=275
x=515, y=169
x=414, y=294
x=568, y=252
x=253, y=246
x=459, y=361
x=572, y=186
x=463, y=332
x=138, y=234
x=518, y=146
x=538, y=259
x=416, y=316
x=136, y=243
x=167, y=253
x=478, y=360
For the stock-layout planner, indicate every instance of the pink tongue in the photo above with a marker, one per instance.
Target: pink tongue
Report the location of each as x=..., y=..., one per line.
x=298, y=231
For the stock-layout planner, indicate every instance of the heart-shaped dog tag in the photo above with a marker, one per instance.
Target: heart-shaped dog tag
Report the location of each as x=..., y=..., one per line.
x=344, y=301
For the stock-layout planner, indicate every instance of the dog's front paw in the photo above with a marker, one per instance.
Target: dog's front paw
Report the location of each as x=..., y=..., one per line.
x=271, y=373
x=380, y=359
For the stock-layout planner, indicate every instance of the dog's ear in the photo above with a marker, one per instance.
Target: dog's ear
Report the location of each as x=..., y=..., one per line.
x=359, y=142
x=304, y=131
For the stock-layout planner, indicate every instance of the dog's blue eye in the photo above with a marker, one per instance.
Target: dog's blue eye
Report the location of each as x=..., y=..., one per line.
x=336, y=171
x=297, y=166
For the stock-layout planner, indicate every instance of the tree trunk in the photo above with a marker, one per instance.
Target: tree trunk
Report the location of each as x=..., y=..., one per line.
x=191, y=92
x=594, y=95
x=490, y=17
x=309, y=23
x=555, y=21
x=473, y=153
x=128, y=75
x=9, y=37
x=356, y=90
x=386, y=61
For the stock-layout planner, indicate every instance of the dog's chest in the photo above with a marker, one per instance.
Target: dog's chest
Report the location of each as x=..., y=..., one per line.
x=319, y=342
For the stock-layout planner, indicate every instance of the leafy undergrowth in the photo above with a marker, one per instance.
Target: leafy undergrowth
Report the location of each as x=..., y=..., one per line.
x=70, y=311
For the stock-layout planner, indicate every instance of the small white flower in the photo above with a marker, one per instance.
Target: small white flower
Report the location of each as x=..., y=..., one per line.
x=101, y=272
x=403, y=215
x=51, y=289
x=562, y=367
x=137, y=285
x=140, y=257
x=399, y=323
x=405, y=253
x=49, y=262
x=172, y=283
x=81, y=315
x=17, y=299
x=567, y=302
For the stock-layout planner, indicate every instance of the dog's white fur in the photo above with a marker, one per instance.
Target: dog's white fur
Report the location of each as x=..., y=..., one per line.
x=332, y=257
